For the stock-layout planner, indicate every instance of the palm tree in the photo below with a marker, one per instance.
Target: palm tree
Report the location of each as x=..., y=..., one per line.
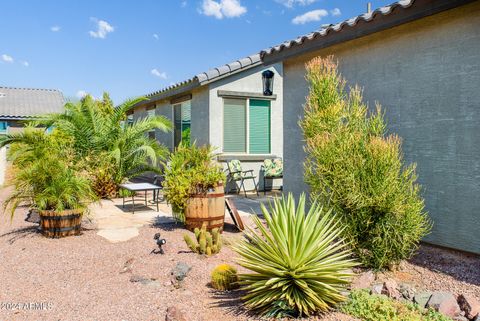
x=109, y=147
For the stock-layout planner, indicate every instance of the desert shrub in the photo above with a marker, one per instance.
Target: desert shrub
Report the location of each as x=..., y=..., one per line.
x=205, y=242
x=190, y=170
x=298, y=261
x=224, y=277
x=355, y=167
x=369, y=307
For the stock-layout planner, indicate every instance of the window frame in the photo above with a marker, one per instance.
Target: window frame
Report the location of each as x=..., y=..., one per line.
x=181, y=104
x=247, y=126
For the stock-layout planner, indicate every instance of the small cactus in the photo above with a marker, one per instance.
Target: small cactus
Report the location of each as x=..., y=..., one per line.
x=224, y=277
x=208, y=243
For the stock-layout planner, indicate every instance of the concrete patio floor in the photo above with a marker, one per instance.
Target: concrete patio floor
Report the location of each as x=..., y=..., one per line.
x=118, y=224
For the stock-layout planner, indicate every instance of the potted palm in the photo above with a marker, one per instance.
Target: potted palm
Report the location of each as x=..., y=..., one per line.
x=48, y=181
x=194, y=187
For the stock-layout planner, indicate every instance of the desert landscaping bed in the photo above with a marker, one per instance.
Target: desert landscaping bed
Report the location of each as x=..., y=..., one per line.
x=88, y=278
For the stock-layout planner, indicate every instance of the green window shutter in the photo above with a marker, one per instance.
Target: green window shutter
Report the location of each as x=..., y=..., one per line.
x=259, y=131
x=234, y=126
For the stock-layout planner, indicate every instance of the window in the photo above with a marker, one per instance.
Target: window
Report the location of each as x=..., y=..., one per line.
x=151, y=113
x=3, y=127
x=130, y=117
x=182, y=121
x=246, y=126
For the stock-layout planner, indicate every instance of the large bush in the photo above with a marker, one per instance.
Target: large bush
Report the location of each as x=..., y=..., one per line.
x=299, y=262
x=359, y=170
x=190, y=170
x=46, y=176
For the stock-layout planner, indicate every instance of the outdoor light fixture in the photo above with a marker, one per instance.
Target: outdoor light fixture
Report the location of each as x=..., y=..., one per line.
x=160, y=242
x=267, y=79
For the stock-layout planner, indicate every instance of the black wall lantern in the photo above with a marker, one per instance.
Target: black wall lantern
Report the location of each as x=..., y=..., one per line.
x=267, y=79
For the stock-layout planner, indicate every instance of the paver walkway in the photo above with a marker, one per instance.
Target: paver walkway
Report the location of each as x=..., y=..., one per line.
x=118, y=224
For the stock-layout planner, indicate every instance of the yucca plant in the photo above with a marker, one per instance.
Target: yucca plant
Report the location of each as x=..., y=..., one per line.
x=298, y=261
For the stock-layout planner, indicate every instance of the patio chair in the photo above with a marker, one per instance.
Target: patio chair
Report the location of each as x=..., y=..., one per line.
x=272, y=169
x=236, y=174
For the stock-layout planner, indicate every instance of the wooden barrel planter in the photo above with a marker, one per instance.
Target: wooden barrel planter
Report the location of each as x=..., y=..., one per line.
x=61, y=224
x=206, y=209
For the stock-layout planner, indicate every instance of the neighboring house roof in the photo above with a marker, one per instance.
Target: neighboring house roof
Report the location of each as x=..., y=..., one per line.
x=21, y=103
x=208, y=76
x=380, y=19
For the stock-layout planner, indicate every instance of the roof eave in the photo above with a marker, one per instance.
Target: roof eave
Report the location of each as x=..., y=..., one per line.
x=363, y=27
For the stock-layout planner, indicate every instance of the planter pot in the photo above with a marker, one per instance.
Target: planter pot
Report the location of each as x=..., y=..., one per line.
x=206, y=209
x=61, y=224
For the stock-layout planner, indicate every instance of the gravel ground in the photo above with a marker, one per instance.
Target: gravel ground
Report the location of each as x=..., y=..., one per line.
x=79, y=278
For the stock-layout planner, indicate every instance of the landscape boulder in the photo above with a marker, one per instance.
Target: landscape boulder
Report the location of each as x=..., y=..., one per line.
x=422, y=298
x=445, y=303
x=407, y=291
x=364, y=280
x=469, y=304
x=390, y=289
x=376, y=289
x=174, y=314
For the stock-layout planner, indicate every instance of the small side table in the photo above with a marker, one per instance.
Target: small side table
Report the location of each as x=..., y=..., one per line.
x=140, y=187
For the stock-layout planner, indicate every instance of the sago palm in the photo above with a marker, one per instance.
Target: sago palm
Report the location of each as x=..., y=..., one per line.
x=299, y=263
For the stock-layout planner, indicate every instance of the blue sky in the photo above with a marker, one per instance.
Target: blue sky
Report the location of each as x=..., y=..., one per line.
x=130, y=48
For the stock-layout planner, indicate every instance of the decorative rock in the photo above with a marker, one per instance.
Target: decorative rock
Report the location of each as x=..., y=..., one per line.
x=364, y=280
x=445, y=303
x=406, y=291
x=422, y=298
x=174, y=314
x=180, y=271
x=469, y=304
x=477, y=318
x=376, y=289
x=460, y=318
x=390, y=289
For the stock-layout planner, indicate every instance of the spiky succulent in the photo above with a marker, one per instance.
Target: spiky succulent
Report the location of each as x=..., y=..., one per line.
x=299, y=263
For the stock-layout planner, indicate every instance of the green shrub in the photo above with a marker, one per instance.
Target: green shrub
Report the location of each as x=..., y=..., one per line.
x=355, y=167
x=46, y=177
x=298, y=261
x=190, y=170
x=224, y=277
x=369, y=307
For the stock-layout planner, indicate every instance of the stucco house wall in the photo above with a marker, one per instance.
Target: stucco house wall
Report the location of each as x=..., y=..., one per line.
x=249, y=81
x=426, y=75
x=207, y=117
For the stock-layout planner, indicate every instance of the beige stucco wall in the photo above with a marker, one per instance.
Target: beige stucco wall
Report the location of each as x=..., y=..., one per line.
x=426, y=74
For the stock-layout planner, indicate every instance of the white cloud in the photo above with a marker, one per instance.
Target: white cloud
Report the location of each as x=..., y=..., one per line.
x=7, y=58
x=183, y=4
x=103, y=28
x=314, y=15
x=335, y=12
x=293, y=3
x=158, y=74
x=155, y=36
x=25, y=63
x=223, y=8
x=81, y=93
x=55, y=28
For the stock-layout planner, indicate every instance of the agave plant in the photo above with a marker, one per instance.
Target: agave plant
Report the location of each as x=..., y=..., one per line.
x=299, y=263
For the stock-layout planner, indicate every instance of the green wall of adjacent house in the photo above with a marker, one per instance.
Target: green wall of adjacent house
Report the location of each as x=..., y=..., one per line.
x=426, y=74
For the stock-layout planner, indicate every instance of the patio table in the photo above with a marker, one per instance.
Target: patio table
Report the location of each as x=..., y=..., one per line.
x=140, y=187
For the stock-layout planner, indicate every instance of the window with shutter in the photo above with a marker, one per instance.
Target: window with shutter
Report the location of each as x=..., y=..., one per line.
x=235, y=126
x=182, y=122
x=259, y=126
